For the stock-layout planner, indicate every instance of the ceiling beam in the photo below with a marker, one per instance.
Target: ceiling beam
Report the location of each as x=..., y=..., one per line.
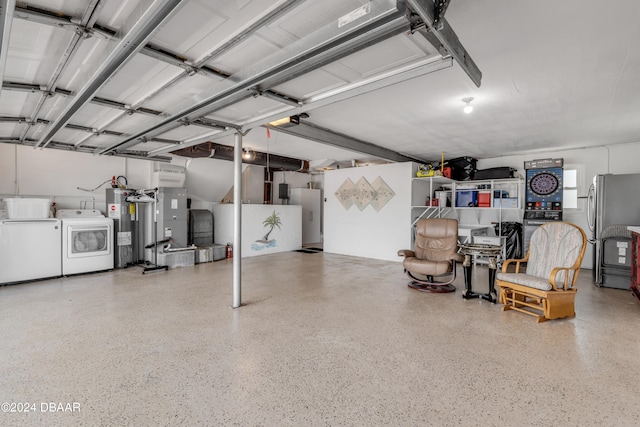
x=355, y=90
x=278, y=97
x=150, y=21
x=10, y=119
x=441, y=8
x=211, y=124
x=88, y=19
x=383, y=29
x=140, y=155
x=32, y=122
x=342, y=35
x=41, y=16
x=443, y=32
x=7, y=9
x=377, y=34
x=83, y=32
x=60, y=20
x=103, y=102
x=325, y=136
x=347, y=93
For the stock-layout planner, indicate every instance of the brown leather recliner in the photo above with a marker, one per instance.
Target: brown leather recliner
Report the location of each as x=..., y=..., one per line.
x=435, y=254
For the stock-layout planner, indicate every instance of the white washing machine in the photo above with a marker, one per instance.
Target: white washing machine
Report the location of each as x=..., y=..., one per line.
x=87, y=241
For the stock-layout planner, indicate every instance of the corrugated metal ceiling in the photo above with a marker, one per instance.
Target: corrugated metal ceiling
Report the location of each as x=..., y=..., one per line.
x=145, y=77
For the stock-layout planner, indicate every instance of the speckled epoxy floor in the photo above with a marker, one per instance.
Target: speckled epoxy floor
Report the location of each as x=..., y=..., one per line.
x=322, y=340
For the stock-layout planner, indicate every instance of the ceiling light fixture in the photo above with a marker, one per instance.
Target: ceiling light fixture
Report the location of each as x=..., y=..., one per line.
x=293, y=120
x=468, y=108
x=279, y=122
x=248, y=154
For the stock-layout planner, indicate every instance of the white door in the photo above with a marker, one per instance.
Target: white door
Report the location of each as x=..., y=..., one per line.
x=310, y=201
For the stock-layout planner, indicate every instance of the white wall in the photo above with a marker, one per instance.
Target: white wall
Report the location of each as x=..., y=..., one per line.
x=294, y=180
x=25, y=171
x=369, y=233
x=351, y=232
x=286, y=238
x=209, y=181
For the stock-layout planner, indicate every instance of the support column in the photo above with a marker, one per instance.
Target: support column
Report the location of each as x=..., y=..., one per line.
x=268, y=185
x=237, y=221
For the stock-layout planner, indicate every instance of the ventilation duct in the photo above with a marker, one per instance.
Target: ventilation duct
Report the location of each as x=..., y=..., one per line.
x=224, y=152
x=322, y=164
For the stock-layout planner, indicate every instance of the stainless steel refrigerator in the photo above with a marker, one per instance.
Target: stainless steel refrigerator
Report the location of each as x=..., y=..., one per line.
x=613, y=204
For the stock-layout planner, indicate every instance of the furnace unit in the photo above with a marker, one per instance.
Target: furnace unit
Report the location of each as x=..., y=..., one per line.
x=172, y=216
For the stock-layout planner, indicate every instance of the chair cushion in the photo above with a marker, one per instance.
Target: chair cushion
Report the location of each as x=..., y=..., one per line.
x=525, y=280
x=429, y=268
x=436, y=239
x=554, y=245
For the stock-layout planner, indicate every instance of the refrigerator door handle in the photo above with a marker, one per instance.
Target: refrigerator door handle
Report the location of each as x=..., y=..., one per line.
x=591, y=207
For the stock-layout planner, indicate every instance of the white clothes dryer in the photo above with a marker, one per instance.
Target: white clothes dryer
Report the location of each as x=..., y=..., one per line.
x=87, y=241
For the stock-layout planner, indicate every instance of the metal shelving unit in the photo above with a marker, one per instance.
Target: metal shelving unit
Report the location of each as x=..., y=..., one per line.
x=496, y=195
x=423, y=200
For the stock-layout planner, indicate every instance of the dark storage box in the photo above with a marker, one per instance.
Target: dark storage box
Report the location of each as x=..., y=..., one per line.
x=495, y=173
x=462, y=168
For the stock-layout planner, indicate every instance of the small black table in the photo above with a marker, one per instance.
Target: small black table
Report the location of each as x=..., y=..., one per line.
x=470, y=250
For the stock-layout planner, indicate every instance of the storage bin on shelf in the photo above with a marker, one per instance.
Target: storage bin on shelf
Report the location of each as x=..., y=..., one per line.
x=444, y=198
x=507, y=202
x=27, y=207
x=484, y=199
x=466, y=198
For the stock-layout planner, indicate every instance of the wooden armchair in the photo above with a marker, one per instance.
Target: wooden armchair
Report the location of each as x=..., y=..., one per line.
x=547, y=289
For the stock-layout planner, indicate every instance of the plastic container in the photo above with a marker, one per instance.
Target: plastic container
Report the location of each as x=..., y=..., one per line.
x=505, y=203
x=27, y=208
x=467, y=199
x=444, y=198
x=484, y=199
